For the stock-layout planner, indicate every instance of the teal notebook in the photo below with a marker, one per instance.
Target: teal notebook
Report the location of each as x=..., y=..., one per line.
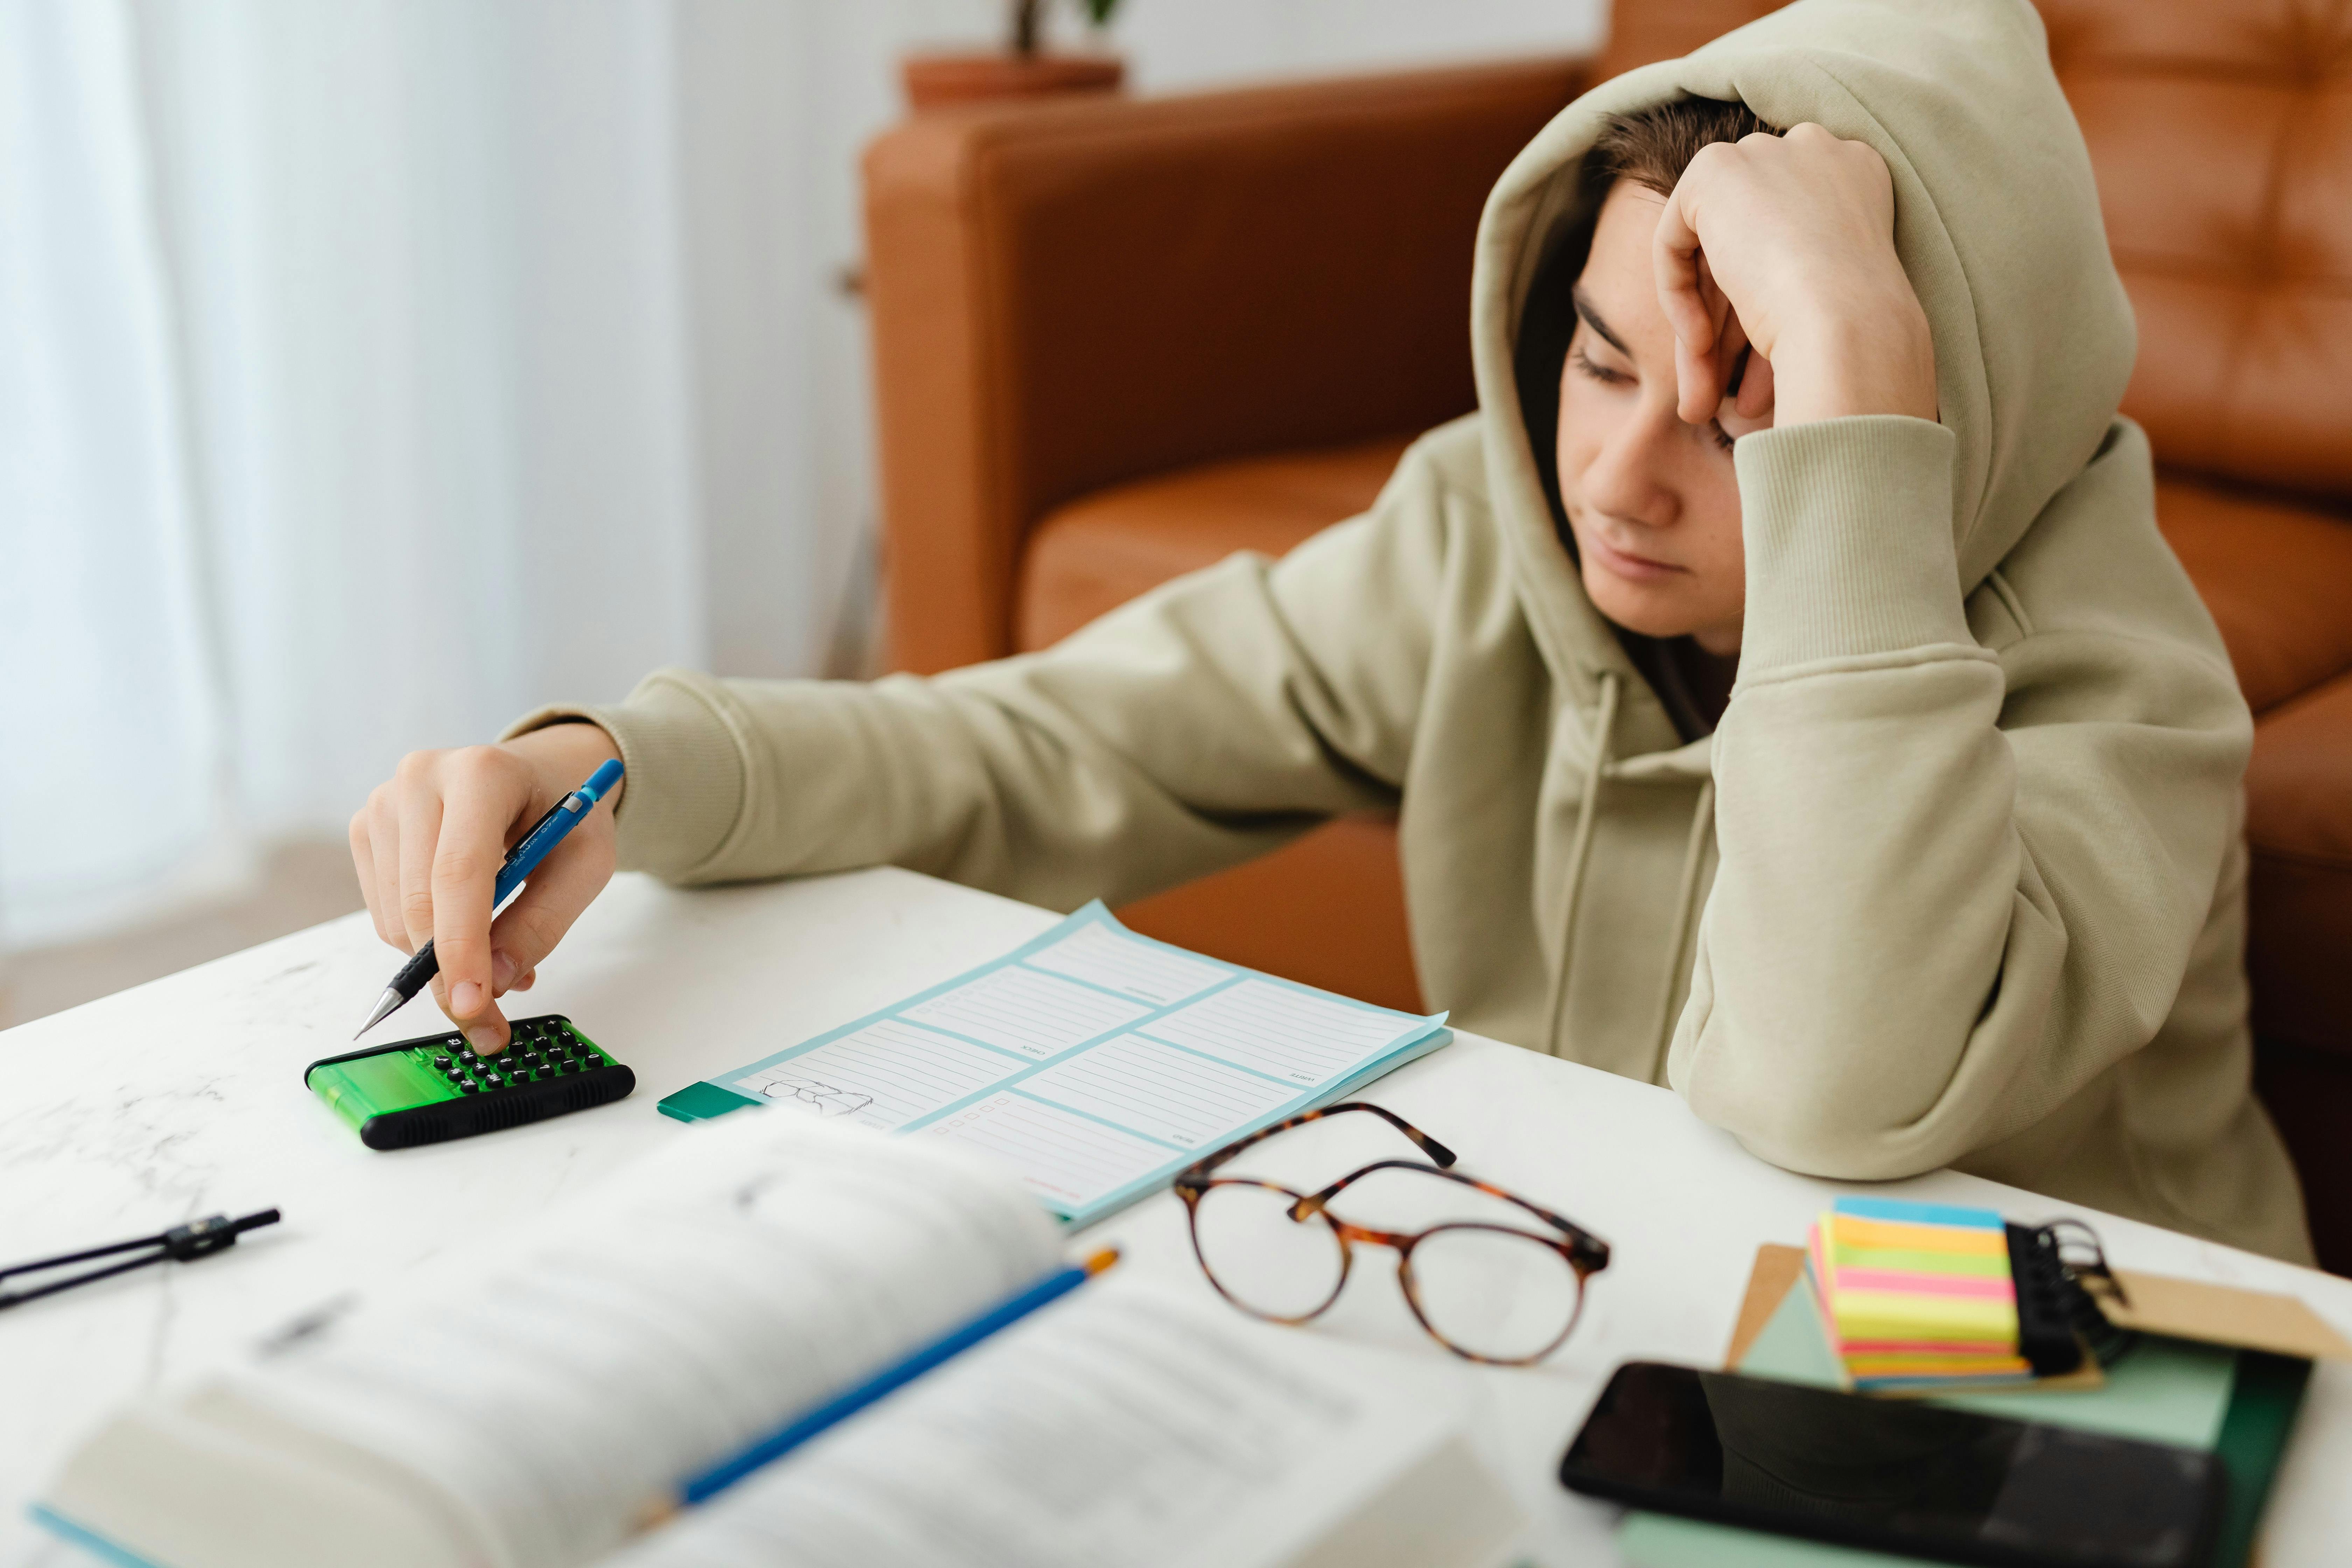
x=1096, y=1062
x=2240, y=1404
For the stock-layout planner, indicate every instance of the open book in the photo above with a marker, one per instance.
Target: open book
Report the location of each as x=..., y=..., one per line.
x=531, y=1407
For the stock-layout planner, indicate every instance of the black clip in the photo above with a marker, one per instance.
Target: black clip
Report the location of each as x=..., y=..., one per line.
x=2063, y=1265
x=181, y=1243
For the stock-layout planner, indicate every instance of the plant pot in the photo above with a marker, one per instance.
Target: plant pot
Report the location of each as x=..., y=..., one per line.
x=934, y=82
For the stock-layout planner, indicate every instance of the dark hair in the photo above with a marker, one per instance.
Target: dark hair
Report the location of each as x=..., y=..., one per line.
x=1654, y=147
x=1651, y=148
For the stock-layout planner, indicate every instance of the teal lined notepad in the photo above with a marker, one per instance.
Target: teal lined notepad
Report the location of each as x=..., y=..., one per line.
x=1096, y=1062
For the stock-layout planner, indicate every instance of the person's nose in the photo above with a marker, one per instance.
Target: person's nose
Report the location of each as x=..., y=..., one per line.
x=1632, y=475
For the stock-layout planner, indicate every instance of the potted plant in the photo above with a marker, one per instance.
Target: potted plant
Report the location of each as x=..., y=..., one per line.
x=1023, y=68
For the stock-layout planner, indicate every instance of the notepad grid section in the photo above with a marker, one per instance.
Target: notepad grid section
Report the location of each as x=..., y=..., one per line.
x=1129, y=965
x=1160, y=1091
x=885, y=1075
x=1292, y=1034
x=1068, y=1159
x=1017, y=1009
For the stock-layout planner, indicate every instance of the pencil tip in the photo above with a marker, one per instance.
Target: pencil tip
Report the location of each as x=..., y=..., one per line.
x=387, y=1004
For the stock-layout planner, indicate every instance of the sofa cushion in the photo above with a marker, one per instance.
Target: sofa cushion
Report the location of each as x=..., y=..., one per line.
x=1101, y=551
x=2222, y=138
x=2299, y=824
x=2277, y=577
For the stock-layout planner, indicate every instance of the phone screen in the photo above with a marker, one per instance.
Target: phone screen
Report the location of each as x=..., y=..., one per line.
x=1894, y=1474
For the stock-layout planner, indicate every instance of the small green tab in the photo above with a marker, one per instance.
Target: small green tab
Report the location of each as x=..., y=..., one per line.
x=701, y=1101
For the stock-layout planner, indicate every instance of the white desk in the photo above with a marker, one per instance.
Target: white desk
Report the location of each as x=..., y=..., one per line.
x=184, y=1098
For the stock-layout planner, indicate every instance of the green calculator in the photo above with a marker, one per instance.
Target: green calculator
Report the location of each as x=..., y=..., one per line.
x=434, y=1088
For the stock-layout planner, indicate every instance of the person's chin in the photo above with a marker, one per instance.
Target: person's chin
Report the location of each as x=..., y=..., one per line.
x=1651, y=610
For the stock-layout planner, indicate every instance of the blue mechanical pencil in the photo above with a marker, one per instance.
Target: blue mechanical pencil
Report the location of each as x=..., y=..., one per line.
x=521, y=860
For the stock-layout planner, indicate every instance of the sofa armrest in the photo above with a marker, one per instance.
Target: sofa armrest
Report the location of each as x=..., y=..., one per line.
x=1067, y=295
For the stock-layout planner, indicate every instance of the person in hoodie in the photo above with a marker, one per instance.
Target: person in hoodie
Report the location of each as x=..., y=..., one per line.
x=1782, y=686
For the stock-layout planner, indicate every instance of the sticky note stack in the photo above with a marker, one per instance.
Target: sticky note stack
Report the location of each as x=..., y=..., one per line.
x=1916, y=1296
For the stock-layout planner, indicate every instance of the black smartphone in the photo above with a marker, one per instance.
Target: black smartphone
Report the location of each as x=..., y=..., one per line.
x=1896, y=1475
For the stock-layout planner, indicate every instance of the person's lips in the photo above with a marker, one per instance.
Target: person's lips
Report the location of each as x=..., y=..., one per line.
x=1626, y=565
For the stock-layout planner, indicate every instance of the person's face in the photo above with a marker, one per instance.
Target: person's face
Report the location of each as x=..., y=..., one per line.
x=1653, y=501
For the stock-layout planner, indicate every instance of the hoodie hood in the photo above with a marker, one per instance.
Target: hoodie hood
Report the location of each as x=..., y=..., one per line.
x=1995, y=221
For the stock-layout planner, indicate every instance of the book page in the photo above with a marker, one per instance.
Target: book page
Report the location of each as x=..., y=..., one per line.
x=696, y=1302
x=1119, y=1425
x=1094, y=1062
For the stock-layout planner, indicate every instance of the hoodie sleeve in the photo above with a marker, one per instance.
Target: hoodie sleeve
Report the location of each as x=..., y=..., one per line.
x=1198, y=726
x=1955, y=884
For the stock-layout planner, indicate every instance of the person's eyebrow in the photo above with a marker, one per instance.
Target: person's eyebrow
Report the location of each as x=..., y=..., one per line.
x=1592, y=319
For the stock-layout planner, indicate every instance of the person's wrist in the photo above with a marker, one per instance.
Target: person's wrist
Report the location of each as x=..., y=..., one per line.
x=562, y=754
x=1870, y=353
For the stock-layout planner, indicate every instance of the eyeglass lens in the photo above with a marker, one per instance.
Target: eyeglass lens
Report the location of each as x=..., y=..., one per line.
x=1265, y=1261
x=1488, y=1291
x=1500, y=1294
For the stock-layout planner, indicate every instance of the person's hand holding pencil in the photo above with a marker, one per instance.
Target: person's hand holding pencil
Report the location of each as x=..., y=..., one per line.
x=428, y=845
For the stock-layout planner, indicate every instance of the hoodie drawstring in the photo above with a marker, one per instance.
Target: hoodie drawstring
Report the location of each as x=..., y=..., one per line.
x=1579, y=852
x=1686, y=902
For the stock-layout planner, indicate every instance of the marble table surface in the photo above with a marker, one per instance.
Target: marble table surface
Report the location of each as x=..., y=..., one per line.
x=185, y=1097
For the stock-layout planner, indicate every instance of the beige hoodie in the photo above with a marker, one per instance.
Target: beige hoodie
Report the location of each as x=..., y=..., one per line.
x=1959, y=878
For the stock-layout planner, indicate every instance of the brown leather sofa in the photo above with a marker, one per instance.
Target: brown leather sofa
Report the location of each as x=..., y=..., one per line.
x=1118, y=339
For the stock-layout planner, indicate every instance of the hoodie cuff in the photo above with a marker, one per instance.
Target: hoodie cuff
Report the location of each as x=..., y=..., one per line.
x=685, y=772
x=1848, y=528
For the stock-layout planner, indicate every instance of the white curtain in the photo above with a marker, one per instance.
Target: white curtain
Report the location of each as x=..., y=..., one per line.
x=372, y=371
x=364, y=369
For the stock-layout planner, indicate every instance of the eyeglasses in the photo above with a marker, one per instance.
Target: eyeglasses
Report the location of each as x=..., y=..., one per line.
x=1498, y=1293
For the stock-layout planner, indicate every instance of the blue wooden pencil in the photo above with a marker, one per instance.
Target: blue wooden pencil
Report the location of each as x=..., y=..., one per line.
x=776, y=1445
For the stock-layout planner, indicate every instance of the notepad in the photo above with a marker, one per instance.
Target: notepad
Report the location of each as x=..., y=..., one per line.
x=1094, y=1062
x=1916, y=1295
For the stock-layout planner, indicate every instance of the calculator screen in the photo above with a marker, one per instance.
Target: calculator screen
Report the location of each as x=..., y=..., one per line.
x=370, y=1086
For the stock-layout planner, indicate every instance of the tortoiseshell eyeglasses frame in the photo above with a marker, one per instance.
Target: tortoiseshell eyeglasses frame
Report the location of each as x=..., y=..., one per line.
x=1586, y=1254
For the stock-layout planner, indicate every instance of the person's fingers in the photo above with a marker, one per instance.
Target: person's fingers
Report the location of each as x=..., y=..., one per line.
x=482, y=800
x=1720, y=361
x=363, y=866
x=417, y=810
x=383, y=843
x=1755, y=399
x=1694, y=373
x=566, y=882
x=1675, y=260
x=1694, y=305
x=1731, y=351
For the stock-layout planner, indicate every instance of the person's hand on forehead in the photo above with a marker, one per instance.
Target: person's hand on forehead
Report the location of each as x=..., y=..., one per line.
x=1777, y=270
